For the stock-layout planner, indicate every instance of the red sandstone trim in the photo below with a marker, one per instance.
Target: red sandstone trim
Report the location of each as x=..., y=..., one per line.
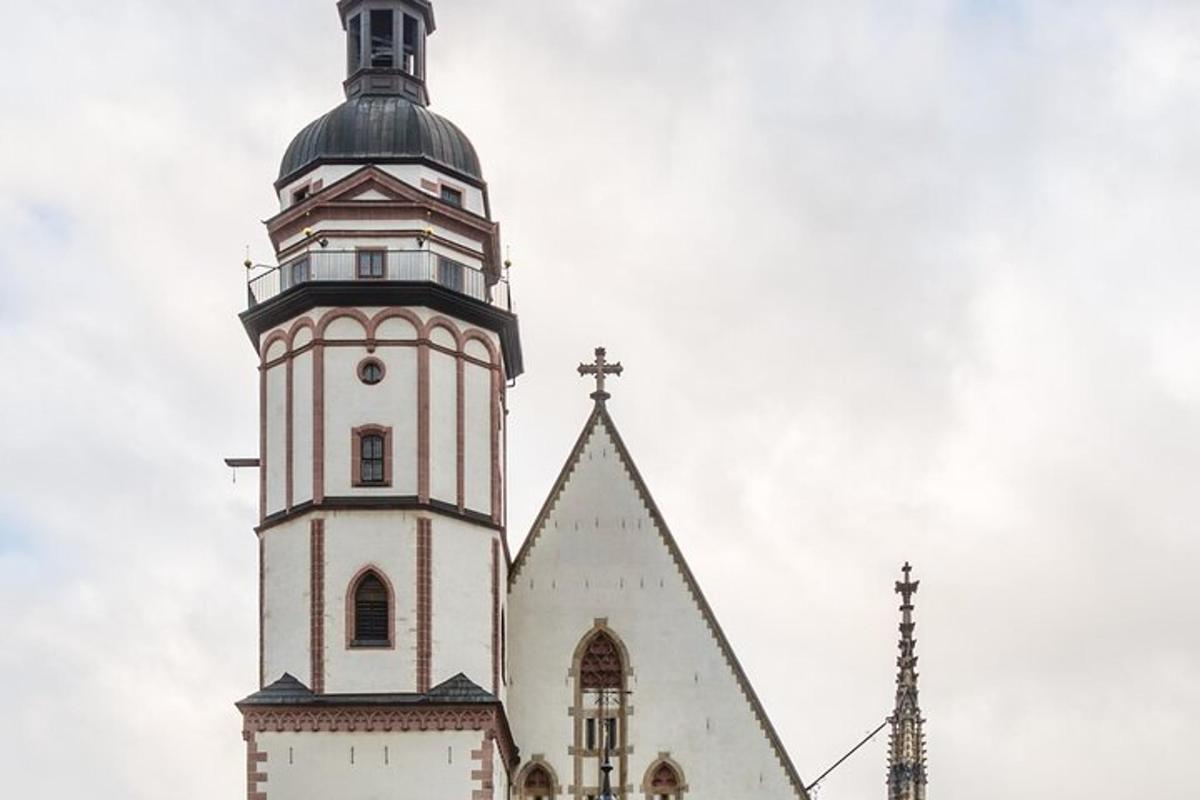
x=496, y=617
x=438, y=321
x=262, y=444
x=460, y=424
x=389, y=313
x=350, y=591
x=338, y=313
x=486, y=758
x=497, y=486
x=289, y=434
x=317, y=611
x=318, y=444
x=424, y=602
x=423, y=423
x=256, y=768
x=356, y=454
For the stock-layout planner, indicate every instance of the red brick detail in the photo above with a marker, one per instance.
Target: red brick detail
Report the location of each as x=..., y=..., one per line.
x=288, y=433
x=256, y=771
x=496, y=617
x=488, y=719
x=424, y=602
x=262, y=443
x=316, y=642
x=318, y=423
x=423, y=422
x=485, y=758
x=460, y=431
x=497, y=476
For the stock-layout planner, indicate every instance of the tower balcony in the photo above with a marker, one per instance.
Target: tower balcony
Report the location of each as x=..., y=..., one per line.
x=379, y=266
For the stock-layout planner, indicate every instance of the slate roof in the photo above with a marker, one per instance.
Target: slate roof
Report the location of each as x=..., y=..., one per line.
x=378, y=129
x=459, y=690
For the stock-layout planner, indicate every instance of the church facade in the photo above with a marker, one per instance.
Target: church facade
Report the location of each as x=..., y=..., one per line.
x=405, y=651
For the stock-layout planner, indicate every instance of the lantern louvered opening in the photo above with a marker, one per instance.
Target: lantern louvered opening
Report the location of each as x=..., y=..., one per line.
x=371, y=613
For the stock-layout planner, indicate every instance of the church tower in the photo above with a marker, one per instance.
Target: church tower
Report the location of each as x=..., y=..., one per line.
x=906, y=746
x=386, y=341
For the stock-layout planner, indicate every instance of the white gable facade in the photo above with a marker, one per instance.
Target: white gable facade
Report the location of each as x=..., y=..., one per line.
x=600, y=561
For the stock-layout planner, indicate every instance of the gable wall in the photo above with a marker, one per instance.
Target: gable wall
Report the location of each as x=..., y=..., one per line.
x=600, y=555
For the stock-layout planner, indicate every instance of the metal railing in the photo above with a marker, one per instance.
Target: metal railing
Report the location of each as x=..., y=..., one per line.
x=417, y=266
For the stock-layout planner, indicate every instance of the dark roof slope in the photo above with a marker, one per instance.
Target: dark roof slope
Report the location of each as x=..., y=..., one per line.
x=289, y=691
x=381, y=128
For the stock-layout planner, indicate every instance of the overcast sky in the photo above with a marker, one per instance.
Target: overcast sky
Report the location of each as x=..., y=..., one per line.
x=889, y=280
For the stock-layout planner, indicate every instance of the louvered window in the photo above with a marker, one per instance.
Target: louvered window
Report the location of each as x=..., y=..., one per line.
x=371, y=628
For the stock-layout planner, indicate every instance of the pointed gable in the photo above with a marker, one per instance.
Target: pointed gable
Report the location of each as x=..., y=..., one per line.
x=600, y=555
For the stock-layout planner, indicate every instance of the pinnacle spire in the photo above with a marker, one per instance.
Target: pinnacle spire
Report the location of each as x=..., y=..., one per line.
x=906, y=747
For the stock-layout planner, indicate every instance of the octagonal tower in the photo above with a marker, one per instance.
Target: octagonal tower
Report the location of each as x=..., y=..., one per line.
x=386, y=341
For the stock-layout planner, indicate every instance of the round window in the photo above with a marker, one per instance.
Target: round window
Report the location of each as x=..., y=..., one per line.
x=370, y=371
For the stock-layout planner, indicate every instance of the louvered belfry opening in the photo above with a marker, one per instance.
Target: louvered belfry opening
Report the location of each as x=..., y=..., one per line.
x=371, y=612
x=600, y=667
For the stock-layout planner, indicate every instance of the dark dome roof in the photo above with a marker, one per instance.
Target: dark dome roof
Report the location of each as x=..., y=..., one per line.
x=381, y=128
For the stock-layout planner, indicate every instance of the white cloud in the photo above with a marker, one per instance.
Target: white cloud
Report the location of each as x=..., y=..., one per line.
x=888, y=283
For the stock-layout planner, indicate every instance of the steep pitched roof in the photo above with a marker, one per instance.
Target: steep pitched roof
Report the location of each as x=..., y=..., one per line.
x=600, y=416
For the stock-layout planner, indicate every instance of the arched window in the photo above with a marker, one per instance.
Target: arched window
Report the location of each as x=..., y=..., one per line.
x=372, y=621
x=538, y=784
x=600, y=708
x=663, y=781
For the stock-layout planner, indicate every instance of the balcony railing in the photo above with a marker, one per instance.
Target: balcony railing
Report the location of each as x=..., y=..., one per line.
x=417, y=266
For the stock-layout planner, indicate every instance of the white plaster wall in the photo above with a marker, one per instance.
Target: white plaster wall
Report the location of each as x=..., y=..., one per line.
x=350, y=403
x=276, y=454
x=600, y=556
x=287, y=603
x=387, y=541
x=477, y=436
x=418, y=765
x=462, y=601
x=443, y=427
x=302, y=428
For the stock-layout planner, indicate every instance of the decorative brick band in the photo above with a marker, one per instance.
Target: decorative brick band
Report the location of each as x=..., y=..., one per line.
x=488, y=719
x=256, y=770
x=486, y=759
x=424, y=602
x=317, y=613
x=423, y=423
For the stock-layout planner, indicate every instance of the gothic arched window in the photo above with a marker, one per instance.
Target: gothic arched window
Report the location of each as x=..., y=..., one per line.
x=538, y=784
x=601, y=720
x=663, y=781
x=372, y=619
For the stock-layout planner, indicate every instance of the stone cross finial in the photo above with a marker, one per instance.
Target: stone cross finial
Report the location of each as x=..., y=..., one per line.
x=601, y=369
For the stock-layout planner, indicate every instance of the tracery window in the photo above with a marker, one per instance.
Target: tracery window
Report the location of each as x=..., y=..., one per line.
x=600, y=711
x=538, y=784
x=663, y=782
